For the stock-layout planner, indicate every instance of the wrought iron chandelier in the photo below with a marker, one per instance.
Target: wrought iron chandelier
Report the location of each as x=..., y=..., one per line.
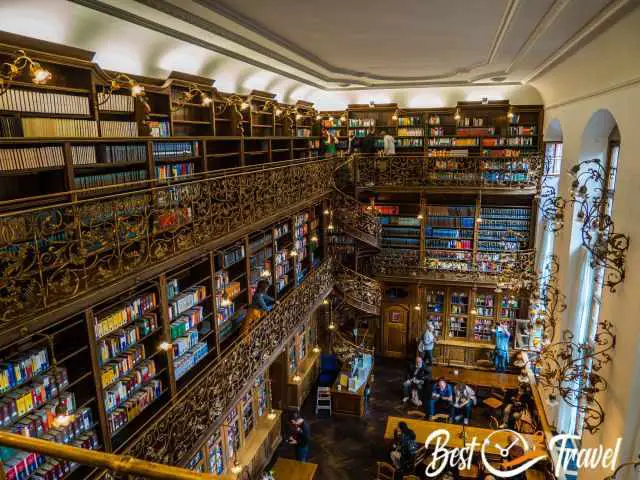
x=590, y=193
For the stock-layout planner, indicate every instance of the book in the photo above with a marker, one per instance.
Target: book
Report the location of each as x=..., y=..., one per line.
x=26, y=158
x=113, y=128
x=58, y=127
x=116, y=102
x=33, y=101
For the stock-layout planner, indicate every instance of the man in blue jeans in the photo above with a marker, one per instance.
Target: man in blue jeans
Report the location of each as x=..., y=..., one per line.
x=502, y=347
x=442, y=393
x=301, y=440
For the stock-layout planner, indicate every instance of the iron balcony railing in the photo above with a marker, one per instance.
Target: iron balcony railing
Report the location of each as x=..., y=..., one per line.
x=423, y=171
x=55, y=253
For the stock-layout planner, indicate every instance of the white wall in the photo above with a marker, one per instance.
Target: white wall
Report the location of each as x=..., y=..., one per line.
x=605, y=74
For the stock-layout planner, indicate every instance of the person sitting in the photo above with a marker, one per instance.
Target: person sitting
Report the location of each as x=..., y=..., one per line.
x=515, y=406
x=465, y=399
x=412, y=386
x=404, y=448
x=441, y=395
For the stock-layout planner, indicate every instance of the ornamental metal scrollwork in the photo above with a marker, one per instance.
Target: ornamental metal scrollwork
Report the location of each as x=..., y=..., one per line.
x=590, y=193
x=425, y=171
x=52, y=254
x=358, y=290
x=571, y=369
x=552, y=205
x=193, y=413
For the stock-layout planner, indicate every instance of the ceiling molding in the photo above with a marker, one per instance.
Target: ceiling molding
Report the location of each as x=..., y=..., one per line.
x=360, y=80
x=603, y=20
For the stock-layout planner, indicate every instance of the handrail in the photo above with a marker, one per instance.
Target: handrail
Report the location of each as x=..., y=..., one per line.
x=417, y=171
x=123, y=464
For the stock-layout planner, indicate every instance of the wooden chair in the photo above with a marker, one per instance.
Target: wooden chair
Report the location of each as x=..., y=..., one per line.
x=421, y=454
x=385, y=471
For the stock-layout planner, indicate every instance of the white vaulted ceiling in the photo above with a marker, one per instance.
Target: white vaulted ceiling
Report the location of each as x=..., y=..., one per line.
x=310, y=49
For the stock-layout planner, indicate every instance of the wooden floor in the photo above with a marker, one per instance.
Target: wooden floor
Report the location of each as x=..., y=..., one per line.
x=347, y=448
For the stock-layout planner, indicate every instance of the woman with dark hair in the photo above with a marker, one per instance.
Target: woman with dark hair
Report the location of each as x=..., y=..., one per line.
x=405, y=448
x=261, y=300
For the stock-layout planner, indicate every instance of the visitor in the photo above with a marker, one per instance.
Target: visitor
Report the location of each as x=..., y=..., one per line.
x=441, y=396
x=261, y=300
x=330, y=142
x=502, y=347
x=515, y=406
x=465, y=399
x=389, y=144
x=427, y=388
x=368, y=143
x=426, y=344
x=300, y=438
x=353, y=143
x=412, y=386
x=404, y=448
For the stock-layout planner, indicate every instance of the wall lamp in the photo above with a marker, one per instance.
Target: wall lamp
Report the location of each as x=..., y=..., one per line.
x=9, y=71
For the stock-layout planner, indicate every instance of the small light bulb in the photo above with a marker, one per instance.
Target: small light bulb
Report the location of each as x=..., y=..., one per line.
x=298, y=116
x=330, y=118
x=330, y=226
x=457, y=115
x=272, y=415
x=314, y=238
x=316, y=349
x=294, y=253
x=165, y=346
x=137, y=90
x=278, y=112
x=325, y=301
x=479, y=220
x=343, y=118
x=236, y=469
x=332, y=326
x=326, y=211
x=394, y=117
x=206, y=101
x=417, y=308
x=244, y=106
x=473, y=311
x=39, y=75
x=265, y=273
x=296, y=378
x=420, y=216
x=318, y=117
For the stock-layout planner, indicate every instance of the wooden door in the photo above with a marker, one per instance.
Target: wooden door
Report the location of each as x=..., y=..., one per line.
x=396, y=319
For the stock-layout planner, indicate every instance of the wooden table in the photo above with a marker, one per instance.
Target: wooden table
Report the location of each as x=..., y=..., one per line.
x=478, y=378
x=286, y=469
x=423, y=429
x=346, y=402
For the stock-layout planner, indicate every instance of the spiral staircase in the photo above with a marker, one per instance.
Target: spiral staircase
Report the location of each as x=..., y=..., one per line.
x=358, y=296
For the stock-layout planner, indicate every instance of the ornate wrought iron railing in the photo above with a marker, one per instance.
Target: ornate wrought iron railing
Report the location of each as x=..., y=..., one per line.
x=200, y=409
x=354, y=218
x=358, y=290
x=116, y=466
x=420, y=171
x=52, y=254
x=502, y=268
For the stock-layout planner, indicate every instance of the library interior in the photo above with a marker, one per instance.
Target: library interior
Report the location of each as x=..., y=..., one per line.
x=284, y=240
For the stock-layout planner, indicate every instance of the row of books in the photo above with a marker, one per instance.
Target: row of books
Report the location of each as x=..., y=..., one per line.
x=362, y=122
x=505, y=178
x=390, y=231
x=121, y=340
x=160, y=129
x=188, y=361
x=453, y=244
x=107, y=179
x=513, y=213
x=410, y=132
x=122, y=364
x=463, y=211
x=24, y=400
x=499, y=246
x=515, y=164
x=174, y=170
x=509, y=142
x=175, y=150
x=10, y=127
x=58, y=127
x=14, y=373
x=131, y=408
x=188, y=320
x=115, y=128
x=19, y=100
x=525, y=131
x=260, y=242
x=124, y=153
x=449, y=233
x=186, y=300
x=507, y=152
x=129, y=312
x=410, y=142
x=402, y=221
x=471, y=122
x=83, y=154
x=515, y=225
x=116, y=102
x=121, y=391
x=27, y=158
x=184, y=343
x=232, y=255
x=409, y=122
x=475, y=132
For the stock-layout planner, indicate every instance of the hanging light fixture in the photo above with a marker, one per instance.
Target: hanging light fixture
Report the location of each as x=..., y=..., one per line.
x=9, y=71
x=188, y=97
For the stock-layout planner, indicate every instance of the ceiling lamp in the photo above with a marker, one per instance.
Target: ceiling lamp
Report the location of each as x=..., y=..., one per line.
x=9, y=71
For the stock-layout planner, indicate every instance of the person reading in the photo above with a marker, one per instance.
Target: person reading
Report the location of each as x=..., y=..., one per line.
x=441, y=396
x=517, y=404
x=404, y=448
x=465, y=399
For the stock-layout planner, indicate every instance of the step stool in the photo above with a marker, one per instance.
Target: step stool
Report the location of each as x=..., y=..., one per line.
x=323, y=399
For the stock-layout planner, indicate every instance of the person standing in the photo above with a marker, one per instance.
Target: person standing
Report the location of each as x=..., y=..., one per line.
x=426, y=344
x=368, y=143
x=301, y=438
x=502, y=347
x=330, y=142
x=389, y=144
